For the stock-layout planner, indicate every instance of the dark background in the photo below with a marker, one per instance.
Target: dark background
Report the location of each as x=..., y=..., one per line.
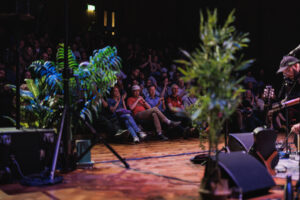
x=273, y=25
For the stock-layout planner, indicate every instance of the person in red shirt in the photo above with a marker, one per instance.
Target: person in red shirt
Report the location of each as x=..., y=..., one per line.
x=143, y=111
x=174, y=101
x=176, y=110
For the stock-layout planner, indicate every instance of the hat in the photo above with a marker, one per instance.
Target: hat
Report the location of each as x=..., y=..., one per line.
x=286, y=62
x=135, y=87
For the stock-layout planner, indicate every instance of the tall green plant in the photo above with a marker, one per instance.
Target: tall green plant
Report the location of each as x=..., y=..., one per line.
x=42, y=104
x=212, y=66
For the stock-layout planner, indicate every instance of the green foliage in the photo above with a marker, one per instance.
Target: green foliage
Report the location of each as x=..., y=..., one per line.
x=96, y=77
x=212, y=67
x=60, y=55
x=37, y=111
x=43, y=100
x=100, y=71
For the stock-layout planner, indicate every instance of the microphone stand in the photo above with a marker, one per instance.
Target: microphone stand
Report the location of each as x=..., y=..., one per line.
x=287, y=133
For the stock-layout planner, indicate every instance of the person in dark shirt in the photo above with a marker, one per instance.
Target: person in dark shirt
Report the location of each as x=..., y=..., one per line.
x=290, y=67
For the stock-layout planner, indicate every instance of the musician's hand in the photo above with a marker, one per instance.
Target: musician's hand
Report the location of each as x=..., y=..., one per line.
x=296, y=128
x=283, y=100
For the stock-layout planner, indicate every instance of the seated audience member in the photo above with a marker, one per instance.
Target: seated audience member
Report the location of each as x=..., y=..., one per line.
x=172, y=72
x=163, y=87
x=45, y=57
x=176, y=110
x=76, y=52
x=155, y=67
x=189, y=100
x=249, y=96
x=261, y=81
x=249, y=116
x=135, y=75
x=117, y=107
x=142, y=79
x=249, y=78
x=155, y=101
x=143, y=111
x=145, y=91
x=120, y=85
x=49, y=51
x=108, y=122
x=181, y=88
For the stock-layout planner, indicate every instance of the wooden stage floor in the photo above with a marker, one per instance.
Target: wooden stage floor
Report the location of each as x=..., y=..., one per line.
x=159, y=170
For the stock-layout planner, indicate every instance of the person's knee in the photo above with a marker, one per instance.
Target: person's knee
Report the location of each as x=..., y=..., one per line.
x=154, y=115
x=155, y=109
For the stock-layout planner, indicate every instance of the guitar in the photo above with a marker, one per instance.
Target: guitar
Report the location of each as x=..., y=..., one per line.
x=279, y=106
x=268, y=96
x=270, y=108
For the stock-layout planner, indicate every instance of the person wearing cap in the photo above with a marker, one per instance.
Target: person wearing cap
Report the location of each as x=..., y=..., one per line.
x=142, y=111
x=290, y=68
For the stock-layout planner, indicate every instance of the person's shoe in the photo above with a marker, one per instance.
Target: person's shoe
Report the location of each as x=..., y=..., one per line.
x=162, y=137
x=174, y=124
x=120, y=132
x=136, y=139
x=142, y=134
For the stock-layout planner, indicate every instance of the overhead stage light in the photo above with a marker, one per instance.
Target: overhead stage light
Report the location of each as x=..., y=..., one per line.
x=91, y=8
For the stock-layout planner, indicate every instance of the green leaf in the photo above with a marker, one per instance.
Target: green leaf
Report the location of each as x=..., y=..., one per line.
x=32, y=87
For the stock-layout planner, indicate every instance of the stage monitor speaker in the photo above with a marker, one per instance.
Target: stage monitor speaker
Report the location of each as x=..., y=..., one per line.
x=31, y=148
x=260, y=144
x=265, y=141
x=245, y=172
x=240, y=141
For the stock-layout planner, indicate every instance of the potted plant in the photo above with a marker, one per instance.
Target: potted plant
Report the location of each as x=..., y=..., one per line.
x=213, y=67
x=42, y=96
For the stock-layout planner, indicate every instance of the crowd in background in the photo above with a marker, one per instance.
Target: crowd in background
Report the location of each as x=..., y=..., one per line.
x=150, y=94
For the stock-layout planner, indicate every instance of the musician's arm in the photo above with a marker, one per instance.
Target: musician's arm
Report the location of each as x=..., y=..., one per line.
x=296, y=128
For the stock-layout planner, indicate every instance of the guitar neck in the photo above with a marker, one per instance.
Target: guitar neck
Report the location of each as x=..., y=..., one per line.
x=281, y=105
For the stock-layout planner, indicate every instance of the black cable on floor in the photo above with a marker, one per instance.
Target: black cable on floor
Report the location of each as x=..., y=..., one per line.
x=163, y=176
x=187, y=182
x=151, y=157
